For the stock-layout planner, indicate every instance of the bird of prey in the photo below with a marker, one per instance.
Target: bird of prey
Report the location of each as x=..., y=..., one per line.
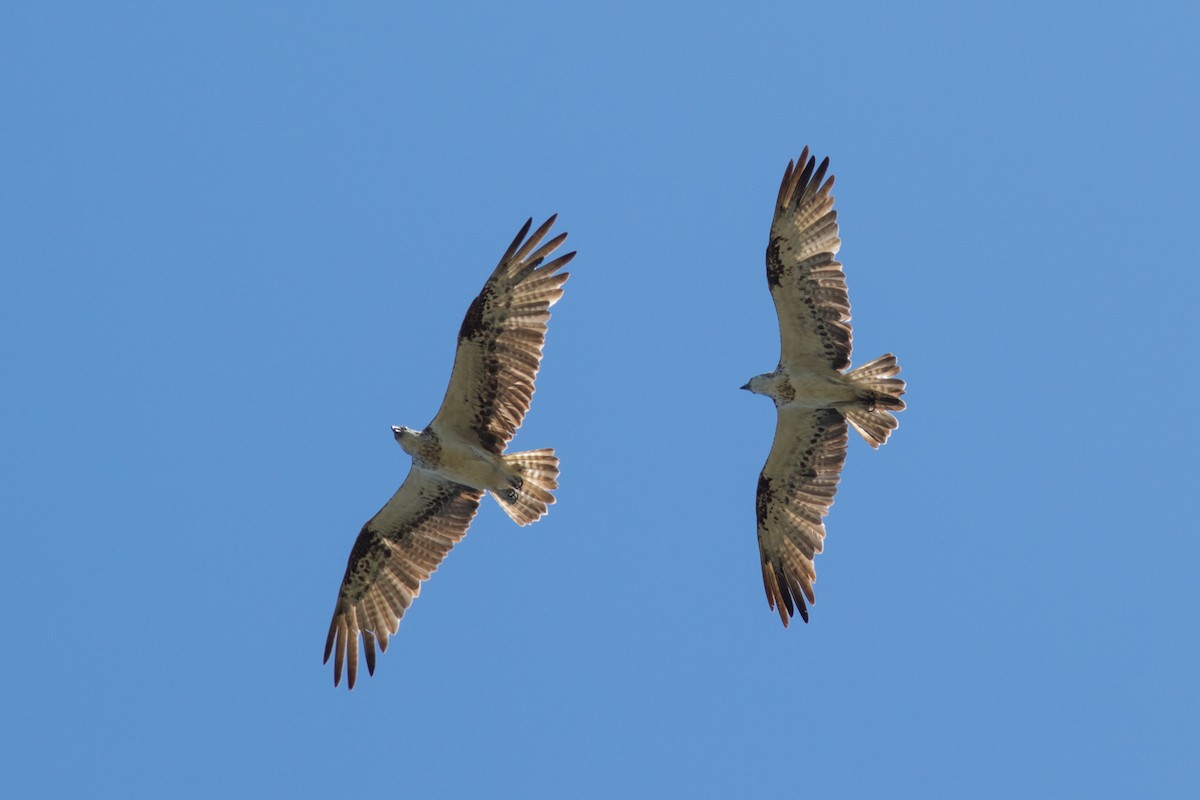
x=814, y=394
x=459, y=455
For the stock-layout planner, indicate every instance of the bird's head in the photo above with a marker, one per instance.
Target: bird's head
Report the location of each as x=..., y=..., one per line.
x=405, y=437
x=758, y=384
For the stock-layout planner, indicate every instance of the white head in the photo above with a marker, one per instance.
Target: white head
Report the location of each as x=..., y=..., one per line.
x=405, y=437
x=761, y=384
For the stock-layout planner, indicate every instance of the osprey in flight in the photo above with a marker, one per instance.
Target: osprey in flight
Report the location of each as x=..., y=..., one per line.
x=459, y=455
x=814, y=396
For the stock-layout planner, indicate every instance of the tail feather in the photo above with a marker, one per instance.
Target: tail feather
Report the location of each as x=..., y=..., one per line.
x=536, y=472
x=881, y=392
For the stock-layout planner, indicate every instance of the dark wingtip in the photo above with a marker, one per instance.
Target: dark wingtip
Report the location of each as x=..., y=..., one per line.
x=329, y=639
x=369, y=646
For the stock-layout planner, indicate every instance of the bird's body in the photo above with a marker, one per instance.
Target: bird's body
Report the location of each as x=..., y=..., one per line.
x=827, y=389
x=454, y=459
x=459, y=455
x=814, y=394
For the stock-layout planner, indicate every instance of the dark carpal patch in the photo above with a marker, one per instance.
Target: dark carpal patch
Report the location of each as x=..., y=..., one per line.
x=366, y=559
x=763, y=499
x=472, y=323
x=774, y=262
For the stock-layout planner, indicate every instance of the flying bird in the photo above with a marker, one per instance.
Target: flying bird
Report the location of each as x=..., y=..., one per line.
x=815, y=396
x=459, y=455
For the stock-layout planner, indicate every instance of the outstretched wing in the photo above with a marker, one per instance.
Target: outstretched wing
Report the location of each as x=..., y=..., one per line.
x=500, y=343
x=807, y=283
x=795, y=491
x=398, y=549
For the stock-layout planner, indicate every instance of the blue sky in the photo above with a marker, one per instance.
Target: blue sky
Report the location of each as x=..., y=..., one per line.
x=238, y=240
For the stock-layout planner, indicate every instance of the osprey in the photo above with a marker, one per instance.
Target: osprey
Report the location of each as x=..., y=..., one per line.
x=814, y=394
x=459, y=455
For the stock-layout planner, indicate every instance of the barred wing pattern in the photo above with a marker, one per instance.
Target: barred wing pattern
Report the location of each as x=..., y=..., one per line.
x=806, y=282
x=500, y=342
x=795, y=490
x=396, y=551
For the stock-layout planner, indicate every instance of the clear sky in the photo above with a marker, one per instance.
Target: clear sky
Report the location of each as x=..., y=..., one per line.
x=237, y=242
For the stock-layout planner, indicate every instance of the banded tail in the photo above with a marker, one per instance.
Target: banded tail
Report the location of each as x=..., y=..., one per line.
x=536, y=473
x=881, y=392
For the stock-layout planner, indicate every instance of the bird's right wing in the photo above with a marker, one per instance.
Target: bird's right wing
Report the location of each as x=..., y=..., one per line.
x=500, y=342
x=398, y=549
x=795, y=490
x=806, y=281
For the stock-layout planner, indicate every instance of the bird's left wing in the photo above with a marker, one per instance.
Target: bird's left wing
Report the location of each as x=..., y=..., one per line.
x=795, y=491
x=500, y=342
x=398, y=549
